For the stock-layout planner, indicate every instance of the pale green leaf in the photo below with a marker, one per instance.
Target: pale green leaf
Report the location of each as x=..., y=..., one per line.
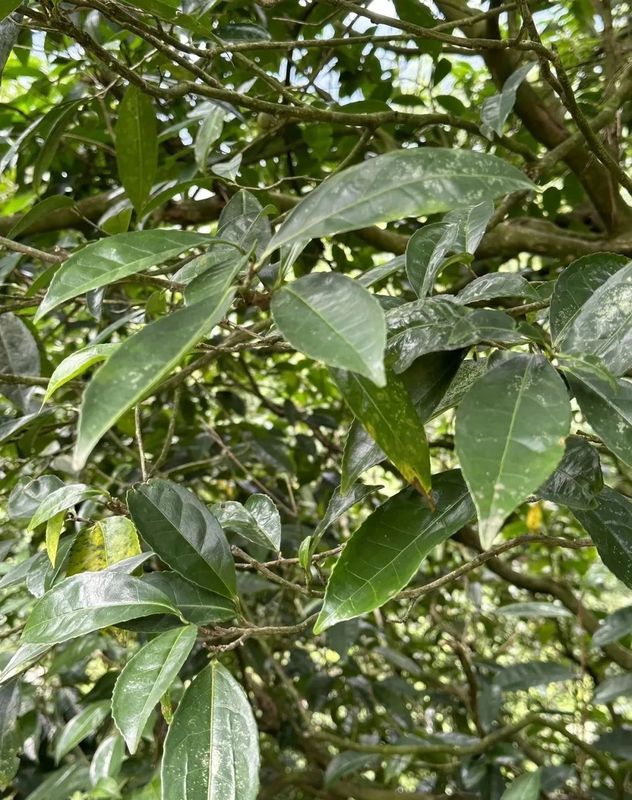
x=75, y=364
x=209, y=132
x=61, y=500
x=526, y=787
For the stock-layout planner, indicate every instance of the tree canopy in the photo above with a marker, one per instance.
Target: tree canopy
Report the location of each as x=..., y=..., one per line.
x=315, y=360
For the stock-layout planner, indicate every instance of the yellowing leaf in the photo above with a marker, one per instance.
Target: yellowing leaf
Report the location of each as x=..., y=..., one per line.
x=107, y=542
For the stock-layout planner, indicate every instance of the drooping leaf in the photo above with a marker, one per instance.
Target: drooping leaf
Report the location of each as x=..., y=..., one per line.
x=389, y=416
x=61, y=500
x=195, y=604
x=107, y=759
x=526, y=787
x=384, y=554
x=18, y=356
x=403, y=183
x=577, y=480
x=472, y=222
x=184, y=533
x=498, y=284
x=606, y=402
x=76, y=364
x=83, y=724
x=360, y=453
x=510, y=431
x=532, y=673
x=613, y=627
x=103, y=544
x=577, y=284
x=137, y=145
x=212, y=748
x=209, y=132
x=609, y=524
x=108, y=260
x=10, y=740
x=496, y=109
x=90, y=601
x=138, y=365
x=612, y=688
x=332, y=318
x=434, y=325
x=146, y=677
x=603, y=324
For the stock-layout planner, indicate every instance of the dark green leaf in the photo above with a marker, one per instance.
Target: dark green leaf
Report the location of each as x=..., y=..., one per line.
x=496, y=109
x=137, y=145
x=61, y=500
x=212, y=748
x=195, y=604
x=61, y=784
x=184, y=533
x=257, y=521
x=82, y=725
x=425, y=253
x=498, y=284
x=107, y=759
x=39, y=211
x=348, y=763
x=386, y=551
x=244, y=222
x=614, y=626
x=332, y=318
x=612, y=688
x=10, y=740
x=18, y=356
x=510, y=431
x=209, y=132
x=577, y=479
x=360, y=453
x=532, y=673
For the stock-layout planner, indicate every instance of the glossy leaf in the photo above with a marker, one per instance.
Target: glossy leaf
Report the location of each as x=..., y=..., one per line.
x=209, y=132
x=107, y=759
x=184, y=533
x=429, y=326
x=146, y=677
x=195, y=604
x=472, y=222
x=138, y=365
x=107, y=260
x=244, y=222
x=87, y=602
x=7, y=7
x=498, y=284
x=212, y=748
x=40, y=211
x=577, y=480
x=510, y=431
x=332, y=318
x=61, y=500
x=54, y=530
x=575, y=286
x=384, y=554
x=360, y=453
x=18, y=356
x=609, y=525
x=218, y=276
x=389, y=416
x=603, y=325
x=606, y=402
x=83, y=724
x=76, y=364
x=10, y=740
x=425, y=253
x=496, y=109
x=340, y=503
x=526, y=787
x=613, y=627
x=103, y=544
x=137, y=145
x=403, y=183
x=23, y=657
x=257, y=521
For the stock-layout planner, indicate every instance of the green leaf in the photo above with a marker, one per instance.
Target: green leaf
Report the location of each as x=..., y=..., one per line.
x=612, y=688
x=603, y=324
x=575, y=286
x=23, y=657
x=527, y=786
x=107, y=759
x=7, y=7
x=40, y=210
x=510, y=431
x=498, y=284
x=427, y=326
x=384, y=554
x=524, y=676
x=108, y=260
x=466, y=376
x=534, y=610
x=348, y=763
x=184, y=533
x=606, y=402
x=428, y=379
x=425, y=254
x=76, y=364
x=360, y=453
x=61, y=500
x=330, y=317
x=244, y=222
x=340, y=503
x=61, y=784
x=91, y=601
x=577, y=480
x=212, y=748
x=10, y=740
x=83, y=724
x=472, y=222
x=609, y=525
x=138, y=365
x=103, y=544
x=19, y=355
x=145, y=678
x=54, y=530
x=218, y=277
x=496, y=109
x=137, y=145
x=389, y=416
x=257, y=521
x=615, y=626
x=27, y=496
x=404, y=183
x=59, y=118
x=195, y=604
x=209, y=132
